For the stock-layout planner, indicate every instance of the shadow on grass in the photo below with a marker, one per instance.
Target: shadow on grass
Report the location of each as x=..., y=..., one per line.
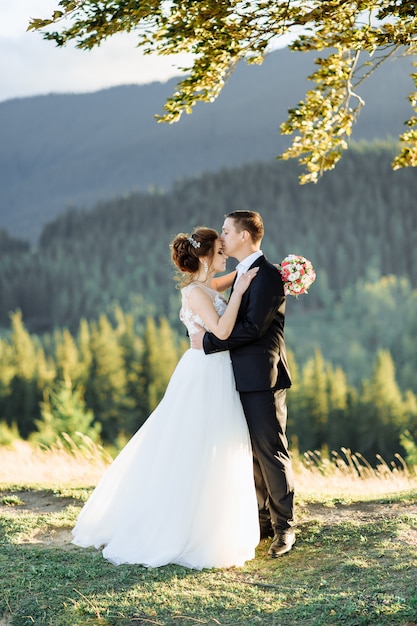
x=350, y=566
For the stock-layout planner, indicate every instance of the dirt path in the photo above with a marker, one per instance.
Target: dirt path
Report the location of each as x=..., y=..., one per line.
x=40, y=503
x=46, y=502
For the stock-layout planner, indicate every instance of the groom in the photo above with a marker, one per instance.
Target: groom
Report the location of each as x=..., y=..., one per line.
x=257, y=350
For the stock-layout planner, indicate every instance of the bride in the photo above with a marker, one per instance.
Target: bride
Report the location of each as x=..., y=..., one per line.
x=182, y=490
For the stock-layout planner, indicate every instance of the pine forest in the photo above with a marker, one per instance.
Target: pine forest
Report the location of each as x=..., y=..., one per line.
x=90, y=332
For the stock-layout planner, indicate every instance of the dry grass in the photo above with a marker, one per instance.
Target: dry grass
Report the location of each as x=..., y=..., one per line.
x=344, y=475
x=22, y=463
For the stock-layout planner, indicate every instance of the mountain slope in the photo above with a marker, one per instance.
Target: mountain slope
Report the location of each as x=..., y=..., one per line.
x=58, y=151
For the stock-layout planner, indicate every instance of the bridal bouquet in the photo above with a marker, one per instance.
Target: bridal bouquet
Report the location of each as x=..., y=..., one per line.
x=297, y=274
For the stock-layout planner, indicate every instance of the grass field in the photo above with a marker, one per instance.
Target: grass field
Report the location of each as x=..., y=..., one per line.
x=354, y=562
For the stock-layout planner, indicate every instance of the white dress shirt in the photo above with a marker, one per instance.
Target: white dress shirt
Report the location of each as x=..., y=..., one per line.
x=244, y=265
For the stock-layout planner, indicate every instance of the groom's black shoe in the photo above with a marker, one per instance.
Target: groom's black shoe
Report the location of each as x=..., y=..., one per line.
x=282, y=543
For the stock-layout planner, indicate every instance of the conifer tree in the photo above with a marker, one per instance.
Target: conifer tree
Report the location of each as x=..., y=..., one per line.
x=7, y=372
x=294, y=395
x=84, y=348
x=25, y=391
x=340, y=429
x=160, y=357
x=63, y=411
x=106, y=385
x=408, y=437
x=132, y=349
x=381, y=410
x=314, y=403
x=410, y=446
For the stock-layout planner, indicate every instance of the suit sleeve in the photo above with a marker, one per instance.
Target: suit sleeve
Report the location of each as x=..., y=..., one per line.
x=257, y=311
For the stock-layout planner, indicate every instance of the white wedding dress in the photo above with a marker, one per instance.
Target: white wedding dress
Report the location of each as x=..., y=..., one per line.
x=182, y=490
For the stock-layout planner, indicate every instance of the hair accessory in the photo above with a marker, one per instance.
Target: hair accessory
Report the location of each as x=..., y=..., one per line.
x=193, y=242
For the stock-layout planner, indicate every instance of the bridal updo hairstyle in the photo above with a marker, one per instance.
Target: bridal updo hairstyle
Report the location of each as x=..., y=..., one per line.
x=187, y=248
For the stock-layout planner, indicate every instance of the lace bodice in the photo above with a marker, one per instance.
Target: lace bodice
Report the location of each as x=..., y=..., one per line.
x=190, y=319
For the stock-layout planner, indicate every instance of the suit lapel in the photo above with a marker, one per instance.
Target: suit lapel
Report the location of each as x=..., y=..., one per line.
x=256, y=263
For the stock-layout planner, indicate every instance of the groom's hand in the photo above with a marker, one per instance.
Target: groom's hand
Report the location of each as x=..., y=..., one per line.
x=196, y=339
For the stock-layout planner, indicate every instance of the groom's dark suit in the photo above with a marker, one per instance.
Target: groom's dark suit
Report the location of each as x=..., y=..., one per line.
x=257, y=350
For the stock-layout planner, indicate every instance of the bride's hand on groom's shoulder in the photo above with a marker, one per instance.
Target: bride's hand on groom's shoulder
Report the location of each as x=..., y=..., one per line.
x=245, y=280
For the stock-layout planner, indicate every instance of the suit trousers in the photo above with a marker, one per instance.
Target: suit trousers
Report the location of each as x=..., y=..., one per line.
x=266, y=416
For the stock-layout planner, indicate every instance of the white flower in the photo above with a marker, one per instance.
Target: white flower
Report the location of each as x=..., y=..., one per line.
x=297, y=274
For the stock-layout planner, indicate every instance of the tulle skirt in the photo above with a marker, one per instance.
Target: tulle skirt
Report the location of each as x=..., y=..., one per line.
x=182, y=490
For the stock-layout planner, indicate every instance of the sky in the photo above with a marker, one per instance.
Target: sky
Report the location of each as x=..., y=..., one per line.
x=31, y=66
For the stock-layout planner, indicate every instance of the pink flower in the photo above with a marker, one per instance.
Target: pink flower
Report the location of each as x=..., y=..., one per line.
x=297, y=274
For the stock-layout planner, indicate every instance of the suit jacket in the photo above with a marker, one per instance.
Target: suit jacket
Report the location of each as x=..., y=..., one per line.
x=256, y=344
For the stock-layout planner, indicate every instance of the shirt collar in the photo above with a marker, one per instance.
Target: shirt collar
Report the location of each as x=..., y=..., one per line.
x=244, y=265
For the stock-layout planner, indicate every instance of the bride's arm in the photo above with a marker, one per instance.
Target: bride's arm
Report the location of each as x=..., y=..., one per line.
x=221, y=283
x=202, y=305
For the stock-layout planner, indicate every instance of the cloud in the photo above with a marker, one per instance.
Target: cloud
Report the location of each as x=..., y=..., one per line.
x=31, y=66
